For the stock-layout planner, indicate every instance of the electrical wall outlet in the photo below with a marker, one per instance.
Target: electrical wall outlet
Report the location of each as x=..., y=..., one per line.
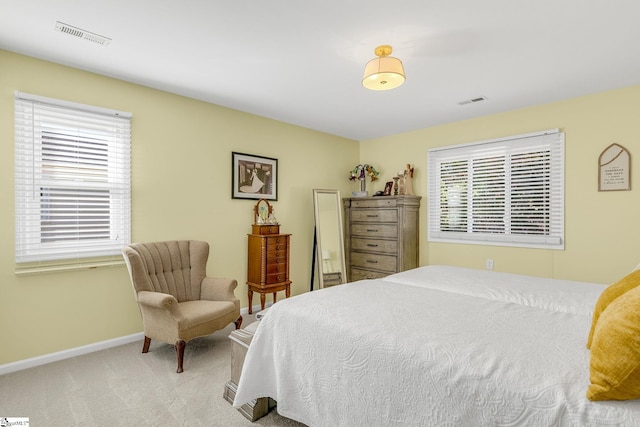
x=489, y=264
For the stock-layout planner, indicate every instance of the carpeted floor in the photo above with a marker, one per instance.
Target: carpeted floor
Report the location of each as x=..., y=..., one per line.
x=123, y=387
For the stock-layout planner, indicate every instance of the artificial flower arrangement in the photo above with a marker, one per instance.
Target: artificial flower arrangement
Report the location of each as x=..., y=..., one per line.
x=360, y=173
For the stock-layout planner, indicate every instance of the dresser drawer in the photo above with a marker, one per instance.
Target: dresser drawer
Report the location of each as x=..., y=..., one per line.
x=357, y=274
x=379, y=202
x=277, y=277
x=277, y=268
x=278, y=255
x=377, y=261
x=373, y=245
x=265, y=229
x=374, y=215
x=277, y=243
x=332, y=279
x=375, y=230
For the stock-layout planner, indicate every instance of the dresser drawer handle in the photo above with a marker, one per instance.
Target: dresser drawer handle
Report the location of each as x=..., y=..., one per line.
x=372, y=216
x=372, y=261
x=371, y=245
x=372, y=230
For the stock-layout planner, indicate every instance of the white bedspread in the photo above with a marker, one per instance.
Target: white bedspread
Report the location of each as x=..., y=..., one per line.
x=404, y=352
x=548, y=294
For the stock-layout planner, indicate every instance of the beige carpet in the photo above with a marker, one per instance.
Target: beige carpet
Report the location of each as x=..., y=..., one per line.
x=123, y=387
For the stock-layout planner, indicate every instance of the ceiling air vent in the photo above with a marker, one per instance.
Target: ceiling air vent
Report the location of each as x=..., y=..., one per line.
x=472, y=100
x=82, y=34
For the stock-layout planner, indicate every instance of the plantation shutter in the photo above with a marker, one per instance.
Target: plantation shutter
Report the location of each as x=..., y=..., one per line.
x=72, y=180
x=508, y=191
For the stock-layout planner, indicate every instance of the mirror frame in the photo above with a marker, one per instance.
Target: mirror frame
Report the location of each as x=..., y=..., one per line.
x=318, y=230
x=262, y=205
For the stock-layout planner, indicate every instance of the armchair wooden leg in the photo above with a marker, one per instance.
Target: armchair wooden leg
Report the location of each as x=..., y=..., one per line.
x=238, y=322
x=180, y=345
x=145, y=346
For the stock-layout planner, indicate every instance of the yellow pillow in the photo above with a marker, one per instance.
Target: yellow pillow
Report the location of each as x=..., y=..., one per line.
x=612, y=292
x=615, y=351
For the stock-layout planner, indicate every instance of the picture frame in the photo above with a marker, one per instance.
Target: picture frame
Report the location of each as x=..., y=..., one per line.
x=388, y=188
x=253, y=177
x=614, y=169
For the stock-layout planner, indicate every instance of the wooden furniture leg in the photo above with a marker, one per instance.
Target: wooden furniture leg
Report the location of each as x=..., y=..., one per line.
x=250, y=299
x=262, y=299
x=180, y=345
x=145, y=346
x=238, y=322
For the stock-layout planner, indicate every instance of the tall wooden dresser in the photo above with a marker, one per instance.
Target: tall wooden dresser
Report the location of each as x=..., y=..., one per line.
x=381, y=235
x=268, y=263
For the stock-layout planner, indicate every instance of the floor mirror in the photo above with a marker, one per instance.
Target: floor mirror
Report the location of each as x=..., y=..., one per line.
x=329, y=238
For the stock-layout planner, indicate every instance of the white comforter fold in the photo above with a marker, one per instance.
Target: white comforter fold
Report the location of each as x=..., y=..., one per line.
x=397, y=353
x=548, y=294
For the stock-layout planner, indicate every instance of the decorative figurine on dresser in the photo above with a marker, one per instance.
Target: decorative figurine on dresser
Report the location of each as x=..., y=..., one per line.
x=381, y=235
x=268, y=256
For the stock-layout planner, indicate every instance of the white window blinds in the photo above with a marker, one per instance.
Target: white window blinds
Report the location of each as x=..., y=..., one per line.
x=508, y=191
x=72, y=180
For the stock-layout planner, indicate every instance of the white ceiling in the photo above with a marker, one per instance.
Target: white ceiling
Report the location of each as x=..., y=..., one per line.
x=301, y=61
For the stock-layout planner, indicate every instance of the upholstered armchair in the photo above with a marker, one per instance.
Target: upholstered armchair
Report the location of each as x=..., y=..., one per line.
x=177, y=301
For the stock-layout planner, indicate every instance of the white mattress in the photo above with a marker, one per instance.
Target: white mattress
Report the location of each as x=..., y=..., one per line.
x=408, y=350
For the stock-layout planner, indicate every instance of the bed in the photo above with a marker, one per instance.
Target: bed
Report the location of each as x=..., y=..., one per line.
x=437, y=345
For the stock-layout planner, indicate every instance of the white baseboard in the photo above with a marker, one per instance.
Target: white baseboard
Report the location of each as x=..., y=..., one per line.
x=66, y=354
x=85, y=349
x=255, y=308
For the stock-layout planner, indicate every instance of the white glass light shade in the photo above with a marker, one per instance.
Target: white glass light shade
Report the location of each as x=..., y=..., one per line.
x=383, y=73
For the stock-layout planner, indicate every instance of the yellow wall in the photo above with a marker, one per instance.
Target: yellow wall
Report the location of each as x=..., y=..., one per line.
x=602, y=229
x=181, y=189
x=181, y=185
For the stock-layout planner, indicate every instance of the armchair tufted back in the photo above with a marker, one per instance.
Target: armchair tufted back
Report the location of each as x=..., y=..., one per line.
x=174, y=267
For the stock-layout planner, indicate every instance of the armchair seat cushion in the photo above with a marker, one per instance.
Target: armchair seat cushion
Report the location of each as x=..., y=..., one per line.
x=206, y=315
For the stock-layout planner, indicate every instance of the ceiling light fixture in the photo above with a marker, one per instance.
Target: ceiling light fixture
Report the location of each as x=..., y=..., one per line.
x=384, y=72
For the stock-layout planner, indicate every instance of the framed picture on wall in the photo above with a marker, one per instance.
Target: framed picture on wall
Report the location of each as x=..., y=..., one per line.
x=614, y=169
x=253, y=177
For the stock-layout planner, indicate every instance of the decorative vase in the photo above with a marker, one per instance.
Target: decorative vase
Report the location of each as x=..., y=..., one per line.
x=363, y=190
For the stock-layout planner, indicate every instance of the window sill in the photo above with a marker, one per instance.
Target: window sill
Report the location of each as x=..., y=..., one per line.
x=44, y=268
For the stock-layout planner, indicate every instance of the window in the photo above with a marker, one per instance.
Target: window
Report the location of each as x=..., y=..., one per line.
x=506, y=192
x=72, y=180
